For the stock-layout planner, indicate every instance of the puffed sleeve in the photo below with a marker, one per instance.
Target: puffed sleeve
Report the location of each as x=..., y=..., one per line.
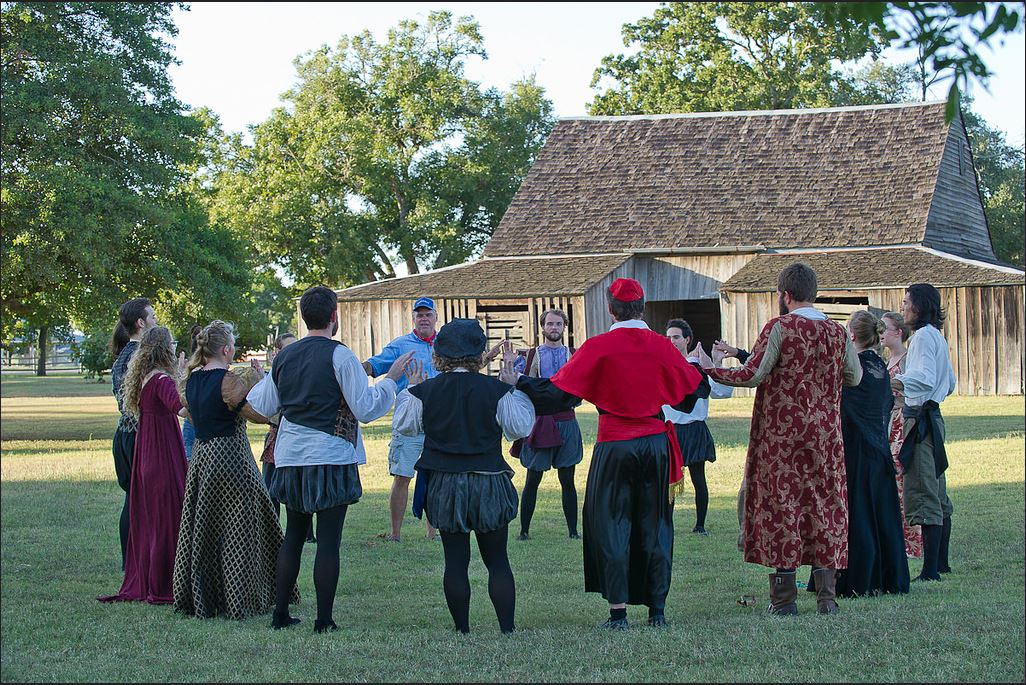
x=233, y=392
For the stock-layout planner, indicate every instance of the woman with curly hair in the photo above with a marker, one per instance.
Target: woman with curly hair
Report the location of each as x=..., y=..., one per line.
x=158, y=471
x=229, y=537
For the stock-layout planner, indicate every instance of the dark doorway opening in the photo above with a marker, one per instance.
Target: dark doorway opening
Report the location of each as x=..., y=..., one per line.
x=702, y=315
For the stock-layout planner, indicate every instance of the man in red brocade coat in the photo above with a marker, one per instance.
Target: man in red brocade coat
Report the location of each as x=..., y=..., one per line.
x=795, y=509
x=628, y=374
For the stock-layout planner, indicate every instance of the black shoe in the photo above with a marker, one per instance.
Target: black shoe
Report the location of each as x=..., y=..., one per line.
x=615, y=624
x=699, y=530
x=921, y=577
x=575, y=535
x=286, y=621
x=325, y=626
x=657, y=621
x=523, y=536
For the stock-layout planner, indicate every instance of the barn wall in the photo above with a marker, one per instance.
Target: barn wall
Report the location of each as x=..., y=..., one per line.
x=956, y=223
x=984, y=328
x=366, y=326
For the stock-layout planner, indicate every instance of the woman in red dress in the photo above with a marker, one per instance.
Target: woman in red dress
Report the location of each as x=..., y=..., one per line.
x=158, y=472
x=894, y=338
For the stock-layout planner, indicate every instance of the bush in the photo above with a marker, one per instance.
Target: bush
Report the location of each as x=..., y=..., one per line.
x=93, y=355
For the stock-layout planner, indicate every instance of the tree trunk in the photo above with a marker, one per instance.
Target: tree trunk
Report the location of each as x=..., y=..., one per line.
x=41, y=359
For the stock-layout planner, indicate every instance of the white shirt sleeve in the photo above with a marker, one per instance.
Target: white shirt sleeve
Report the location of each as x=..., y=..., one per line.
x=515, y=414
x=408, y=418
x=367, y=402
x=263, y=396
x=719, y=391
x=920, y=377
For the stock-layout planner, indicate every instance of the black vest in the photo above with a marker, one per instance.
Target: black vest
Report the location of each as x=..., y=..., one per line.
x=460, y=430
x=210, y=415
x=308, y=388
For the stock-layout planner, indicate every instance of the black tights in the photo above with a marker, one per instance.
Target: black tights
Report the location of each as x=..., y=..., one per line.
x=530, y=498
x=326, y=562
x=697, y=473
x=456, y=580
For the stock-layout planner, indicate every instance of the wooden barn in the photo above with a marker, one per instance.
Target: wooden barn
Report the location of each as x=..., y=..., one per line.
x=705, y=209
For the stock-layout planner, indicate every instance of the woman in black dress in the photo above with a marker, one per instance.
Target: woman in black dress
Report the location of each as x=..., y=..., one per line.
x=876, y=544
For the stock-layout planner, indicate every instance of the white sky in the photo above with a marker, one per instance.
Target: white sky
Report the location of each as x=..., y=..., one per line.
x=236, y=58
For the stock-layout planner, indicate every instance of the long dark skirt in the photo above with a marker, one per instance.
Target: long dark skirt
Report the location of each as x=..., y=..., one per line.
x=229, y=538
x=877, y=562
x=628, y=523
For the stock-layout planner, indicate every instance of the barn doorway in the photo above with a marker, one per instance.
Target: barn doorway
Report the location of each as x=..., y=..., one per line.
x=702, y=315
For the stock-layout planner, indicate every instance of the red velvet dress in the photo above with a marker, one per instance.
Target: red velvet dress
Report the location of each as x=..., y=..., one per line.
x=155, y=497
x=913, y=534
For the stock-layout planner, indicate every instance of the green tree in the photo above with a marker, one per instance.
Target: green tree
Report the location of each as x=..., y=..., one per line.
x=386, y=154
x=947, y=36
x=728, y=56
x=91, y=140
x=103, y=192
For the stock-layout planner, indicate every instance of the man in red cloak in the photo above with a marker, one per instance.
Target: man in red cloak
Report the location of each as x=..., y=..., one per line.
x=795, y=496
x=628, y=374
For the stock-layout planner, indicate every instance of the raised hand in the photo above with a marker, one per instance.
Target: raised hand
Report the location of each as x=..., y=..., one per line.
x=508, y=355
x=493, y=353
x=717, y=356
x=257, y=366
x=180, y=369
x=727, y=350
x=398, y=368
x=704, y=359
x=506, y=372
x=415, y=372
x=696, y=350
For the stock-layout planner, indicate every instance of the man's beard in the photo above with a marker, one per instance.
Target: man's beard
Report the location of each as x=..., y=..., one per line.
x=334, y=329
x=554, y=337
x=783, y=306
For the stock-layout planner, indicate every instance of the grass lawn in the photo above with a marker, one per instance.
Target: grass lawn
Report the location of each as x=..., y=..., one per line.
x=60, y=504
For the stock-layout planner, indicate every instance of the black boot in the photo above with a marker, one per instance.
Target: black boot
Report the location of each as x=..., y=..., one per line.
x=931, y=552
x=324, y=626
x=942, y=557
x=279, y=621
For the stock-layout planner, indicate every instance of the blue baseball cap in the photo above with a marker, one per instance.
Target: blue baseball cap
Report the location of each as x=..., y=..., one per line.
x=424, y=302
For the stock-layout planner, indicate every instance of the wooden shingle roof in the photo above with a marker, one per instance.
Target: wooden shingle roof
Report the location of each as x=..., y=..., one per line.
x=495, y=278
x=884, y=268
x=843, y=177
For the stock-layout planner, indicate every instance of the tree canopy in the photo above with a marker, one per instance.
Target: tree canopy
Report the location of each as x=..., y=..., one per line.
x=385, y=154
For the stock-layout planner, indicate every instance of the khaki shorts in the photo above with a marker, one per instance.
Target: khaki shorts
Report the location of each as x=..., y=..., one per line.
x=925, y=494
x=403, y=454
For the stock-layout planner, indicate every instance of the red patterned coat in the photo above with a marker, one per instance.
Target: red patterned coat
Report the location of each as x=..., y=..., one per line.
x=795, y=508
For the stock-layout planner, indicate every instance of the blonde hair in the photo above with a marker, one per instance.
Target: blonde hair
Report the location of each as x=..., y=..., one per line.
x=899, y=322
x=866, y=328
x=156, y=353
x=209, y=343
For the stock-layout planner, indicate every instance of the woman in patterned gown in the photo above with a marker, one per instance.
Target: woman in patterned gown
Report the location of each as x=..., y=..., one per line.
x=229, y=538
x=893, y=338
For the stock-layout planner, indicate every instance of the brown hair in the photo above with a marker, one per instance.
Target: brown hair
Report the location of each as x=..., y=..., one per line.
x=558, y=312
x=899, y=323
x=128, y=316
x=156, y=353
x=625, y=311
x=866, y=328
x=443, y=364
x=800, y=280
x=280, y=340
x=209, y=341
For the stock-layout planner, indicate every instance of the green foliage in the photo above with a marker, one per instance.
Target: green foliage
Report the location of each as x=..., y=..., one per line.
x=727, y=56
x=1001, y=178
x=93, y=354
x=386, y=152
x=947, y=35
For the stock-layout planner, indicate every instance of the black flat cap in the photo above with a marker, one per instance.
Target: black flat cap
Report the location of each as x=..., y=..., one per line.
x=460, y=338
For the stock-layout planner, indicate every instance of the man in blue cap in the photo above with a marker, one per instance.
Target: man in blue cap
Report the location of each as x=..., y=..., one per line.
x=404, y=451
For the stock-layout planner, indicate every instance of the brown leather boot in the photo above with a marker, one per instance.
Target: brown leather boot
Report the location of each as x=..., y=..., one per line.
x=826, y=590
x=783, y=594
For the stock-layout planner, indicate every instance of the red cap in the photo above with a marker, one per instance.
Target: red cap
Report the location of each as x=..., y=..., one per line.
x=626, y=290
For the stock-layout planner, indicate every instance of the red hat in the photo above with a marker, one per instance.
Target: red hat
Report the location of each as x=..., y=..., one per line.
x=626, y=290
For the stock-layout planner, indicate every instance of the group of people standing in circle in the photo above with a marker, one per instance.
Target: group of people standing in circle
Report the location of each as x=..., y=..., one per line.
x=200, y=529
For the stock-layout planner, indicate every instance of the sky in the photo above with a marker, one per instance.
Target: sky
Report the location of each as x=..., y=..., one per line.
x=237, y=58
